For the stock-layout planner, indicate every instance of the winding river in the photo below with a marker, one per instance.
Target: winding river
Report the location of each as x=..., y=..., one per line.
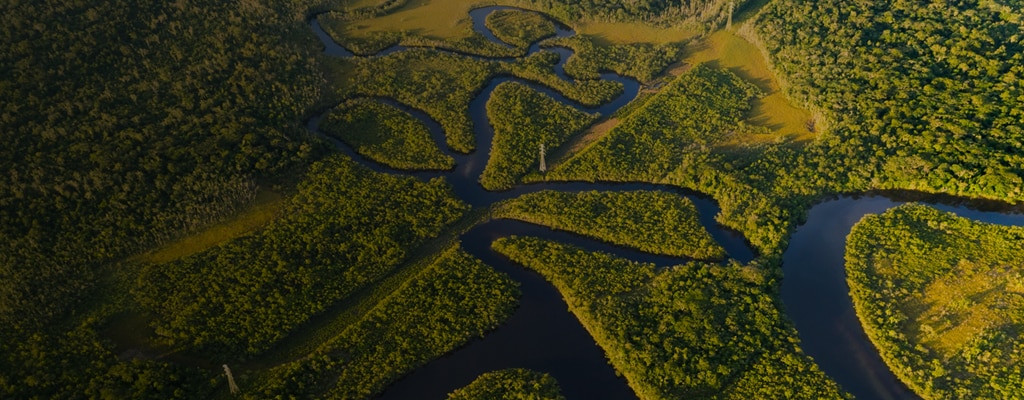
x=542, y=335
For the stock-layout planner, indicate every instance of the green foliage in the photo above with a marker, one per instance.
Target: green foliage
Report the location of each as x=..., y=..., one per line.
x=654, y=222
x=346, y=228
x=510, y=384
x=126, y=125
x=925, y=97
x=642, y=61
x=942, y=298
x=696, y=110
x=523, y=119
x=454, y=300
x=653, y=11
x=539, y=67
x=386, y=134
x=519, y=28
x=112, y=147
x=78, y=363
x=691, y=331
x=440, y=84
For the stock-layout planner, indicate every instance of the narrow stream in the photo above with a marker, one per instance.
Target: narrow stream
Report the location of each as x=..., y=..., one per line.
x=542, y=335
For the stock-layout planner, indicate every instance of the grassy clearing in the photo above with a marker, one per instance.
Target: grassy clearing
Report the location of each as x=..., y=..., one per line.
x=724, y=49
x=441, y=19
x=612, y=33
x=266, y=207
x=942, y=297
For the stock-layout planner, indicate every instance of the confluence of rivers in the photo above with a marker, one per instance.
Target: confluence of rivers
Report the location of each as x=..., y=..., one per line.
x=543, y=335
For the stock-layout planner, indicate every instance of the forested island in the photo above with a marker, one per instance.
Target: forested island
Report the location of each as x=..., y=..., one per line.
x=339, y=199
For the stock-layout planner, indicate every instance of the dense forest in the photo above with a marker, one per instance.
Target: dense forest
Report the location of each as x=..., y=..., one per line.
x=126, y=125
x=455, y=298
x=923, y=97
x=650, y=11
x=651, y=221
x=523, y=121
x=642, y=61
x=346, y=228
x=691, y=331
x=942, y=297
x=385, y=134
x=510, y=384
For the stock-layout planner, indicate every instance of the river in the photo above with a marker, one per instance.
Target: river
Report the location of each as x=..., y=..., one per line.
x=542, y=335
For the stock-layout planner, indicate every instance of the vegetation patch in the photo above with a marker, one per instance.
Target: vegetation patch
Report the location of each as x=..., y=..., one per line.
x=692, y=331
x=698, y=109
x=440, y=84
x=510, y=384
x=924, y=98
x=642, y=61
x=346, y=228
x=651, y=221
x=519, y=28
x=455, y=299
x=728, y=50
x=942, y=298
x=539, y=67
x=386, y=135
x=523, y=121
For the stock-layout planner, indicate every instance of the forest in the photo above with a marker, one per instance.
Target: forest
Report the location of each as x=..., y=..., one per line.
x=510, y=384
x=925, y=98
x=695, y=330
x=345, y=228
x=455, y=298
x=385, y=134
x=518, y=28
x=131, y=126
x=651, y=221
x=942, y=297
x=524, y=120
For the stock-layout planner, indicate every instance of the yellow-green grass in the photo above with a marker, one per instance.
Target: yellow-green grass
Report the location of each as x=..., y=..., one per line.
x=942, y=298
x=449, y=19
x=958, y=307
x=724, y=49
x=440, y=19
x=349, y=5
x=611, y=33
x=267, y=204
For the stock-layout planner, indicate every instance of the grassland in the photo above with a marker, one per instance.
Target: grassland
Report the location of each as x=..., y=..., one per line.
x=726, y=49
x=613, y=33
x=266, y=207
x=942, y=298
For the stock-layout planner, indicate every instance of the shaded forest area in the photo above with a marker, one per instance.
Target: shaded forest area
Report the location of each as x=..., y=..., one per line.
x=126, y=125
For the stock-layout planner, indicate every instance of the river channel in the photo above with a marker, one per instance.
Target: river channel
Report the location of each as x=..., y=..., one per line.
x=542, y=335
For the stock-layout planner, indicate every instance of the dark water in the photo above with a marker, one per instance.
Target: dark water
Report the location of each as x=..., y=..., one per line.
x=542, y=335
x=817, y=300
